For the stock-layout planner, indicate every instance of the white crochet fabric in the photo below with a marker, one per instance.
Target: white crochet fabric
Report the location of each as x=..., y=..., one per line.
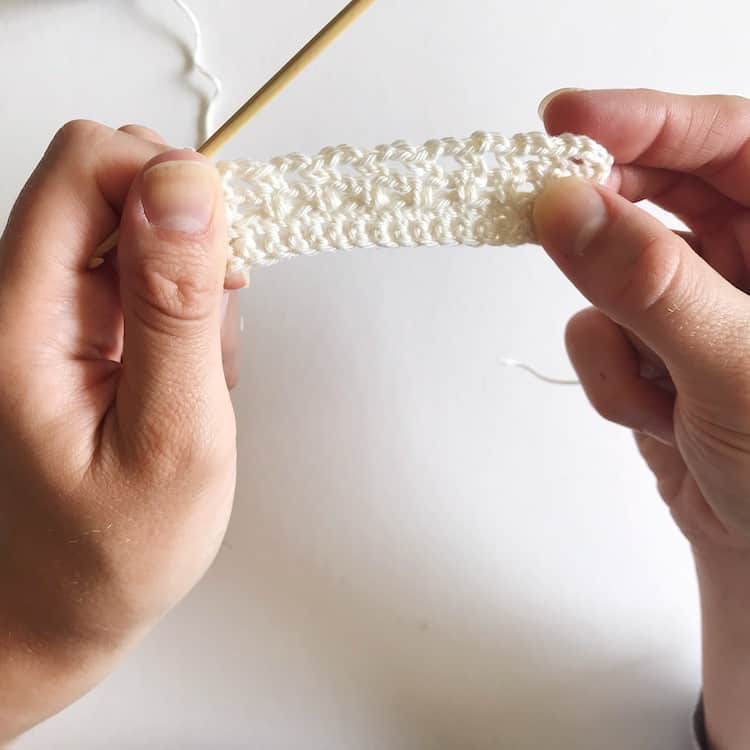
x=474, y=191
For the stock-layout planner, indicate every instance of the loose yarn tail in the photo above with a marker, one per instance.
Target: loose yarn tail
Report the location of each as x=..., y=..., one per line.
x=206, y=120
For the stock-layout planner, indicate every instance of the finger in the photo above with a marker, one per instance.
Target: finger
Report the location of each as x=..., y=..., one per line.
x=231, y=339
x=704, y=210
x=708, y=136
x=684, y=195
x=693, y=514
x=609, y=369
x=723, y=251
x=236, y=280
x=172, y=259
x=690, y=239
x=665, y=463
x=83, y=179
x=646, y=278
x=142, y=132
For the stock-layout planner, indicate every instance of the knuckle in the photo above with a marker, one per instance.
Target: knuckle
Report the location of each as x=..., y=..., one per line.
x=577, y=321
x=581, y=325
x=706, y=129
x=77, y=133
x=141, y=131
x=176, y=285
x=722, y=115
x=698, y=132
x=656, y=280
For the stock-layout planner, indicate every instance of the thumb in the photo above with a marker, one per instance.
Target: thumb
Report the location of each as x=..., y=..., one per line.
x=647, y=279
x=172, y=258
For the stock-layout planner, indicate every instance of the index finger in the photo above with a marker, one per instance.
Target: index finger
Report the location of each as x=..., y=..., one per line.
x=70, y=203
x=707, y=136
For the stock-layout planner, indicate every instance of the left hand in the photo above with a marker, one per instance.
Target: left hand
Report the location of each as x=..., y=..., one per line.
x=117, y=433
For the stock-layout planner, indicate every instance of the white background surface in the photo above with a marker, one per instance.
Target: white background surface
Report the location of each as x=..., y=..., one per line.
x=428, y=550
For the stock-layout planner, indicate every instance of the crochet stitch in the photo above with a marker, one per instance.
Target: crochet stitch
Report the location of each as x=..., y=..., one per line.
x=474, y=191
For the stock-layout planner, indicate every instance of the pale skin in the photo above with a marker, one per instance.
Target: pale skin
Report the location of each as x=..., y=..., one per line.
x=117, y=435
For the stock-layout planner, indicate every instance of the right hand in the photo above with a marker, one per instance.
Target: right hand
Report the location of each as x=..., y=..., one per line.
x=665, y=349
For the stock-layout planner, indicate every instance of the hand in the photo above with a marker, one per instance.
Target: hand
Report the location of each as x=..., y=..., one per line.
x=666, y=348
x=117, y=434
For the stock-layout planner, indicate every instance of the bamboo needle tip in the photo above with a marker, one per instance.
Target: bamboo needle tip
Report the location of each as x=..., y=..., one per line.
x=95, y=262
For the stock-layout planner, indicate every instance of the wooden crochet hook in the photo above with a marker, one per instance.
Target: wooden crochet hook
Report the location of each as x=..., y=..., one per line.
x=274, y=86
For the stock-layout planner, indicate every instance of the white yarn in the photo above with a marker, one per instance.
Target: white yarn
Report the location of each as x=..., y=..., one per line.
x=445, y=192
x=474, y=191
x=507, y=362
x=197, y=64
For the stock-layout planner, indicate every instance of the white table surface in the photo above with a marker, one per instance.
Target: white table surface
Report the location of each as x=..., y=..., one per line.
x=428, y=550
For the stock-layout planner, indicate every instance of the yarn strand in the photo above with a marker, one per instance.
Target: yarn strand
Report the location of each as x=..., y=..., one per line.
x=197, y=63
x=507, y=362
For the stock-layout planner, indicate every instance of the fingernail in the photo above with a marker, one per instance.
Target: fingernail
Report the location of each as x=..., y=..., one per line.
x=547, y=99
x=179, y=195
x=568, y=215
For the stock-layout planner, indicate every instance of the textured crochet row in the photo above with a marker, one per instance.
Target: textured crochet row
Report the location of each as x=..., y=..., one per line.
x=474, y=191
